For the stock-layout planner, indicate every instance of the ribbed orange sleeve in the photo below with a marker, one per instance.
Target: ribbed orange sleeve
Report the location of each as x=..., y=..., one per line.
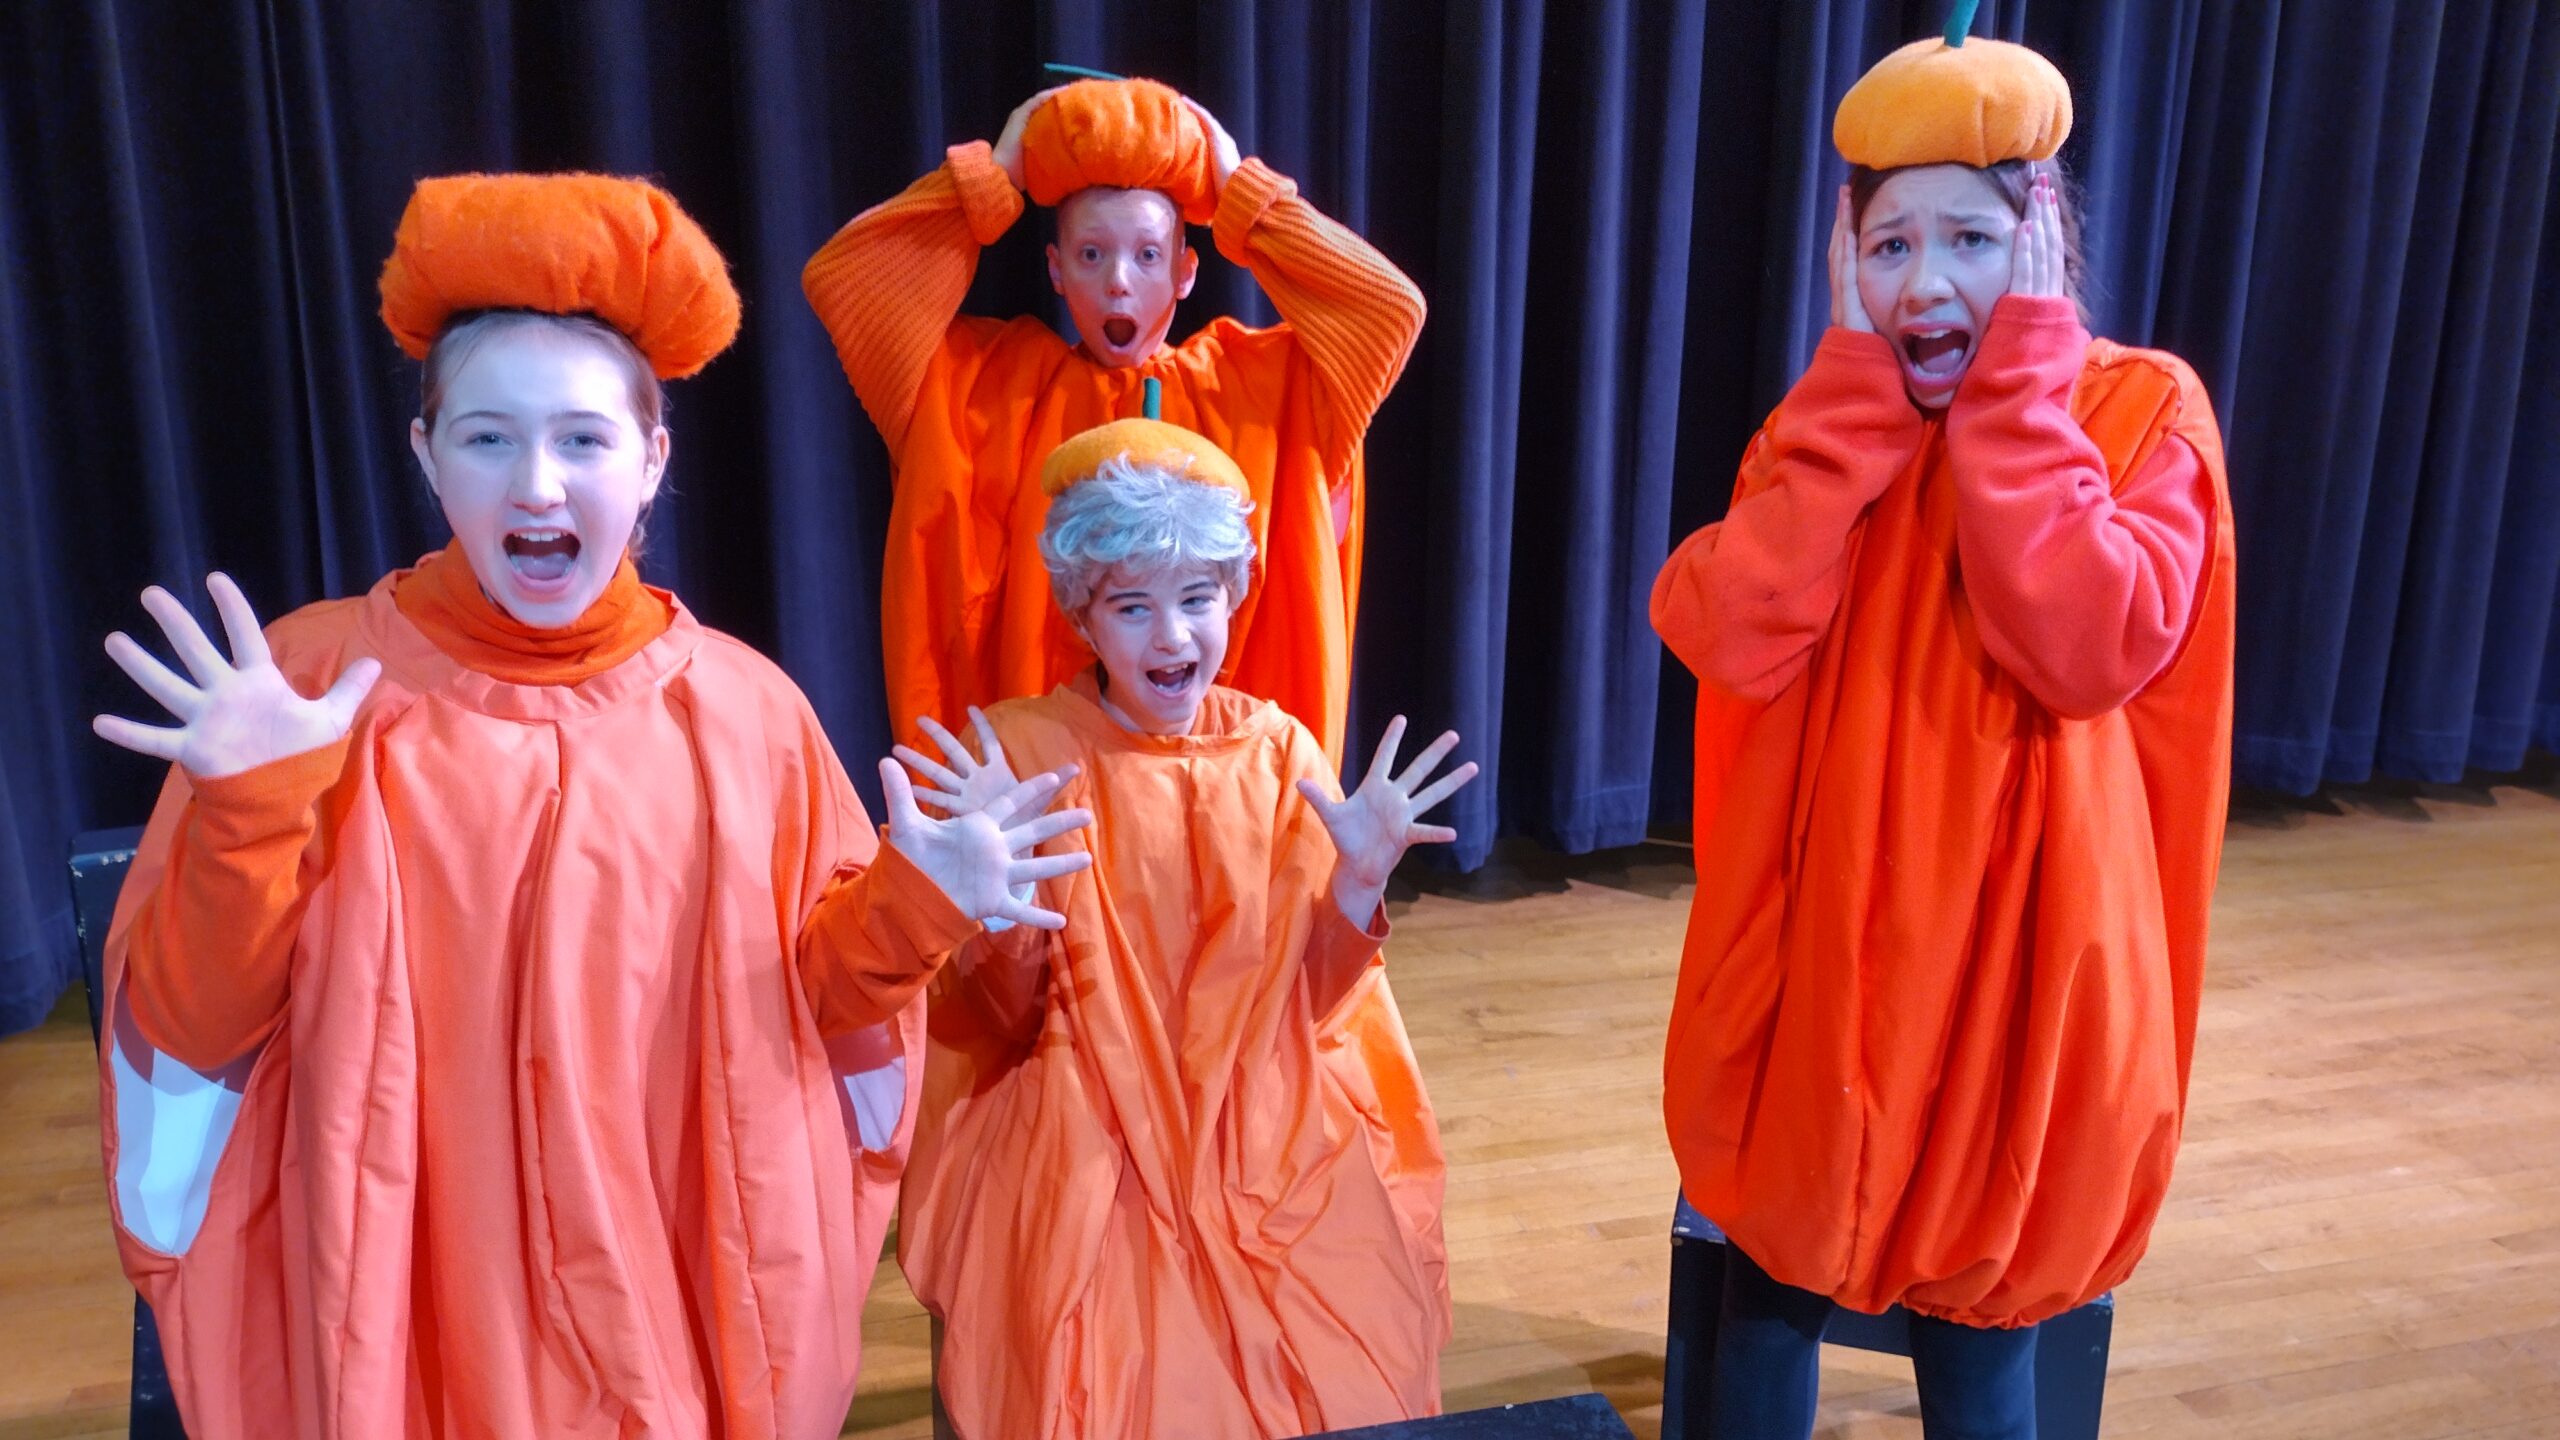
x=1356, y=313
x=887, y=286
x=212, y=948
x=878, y=935
x=1742, y=601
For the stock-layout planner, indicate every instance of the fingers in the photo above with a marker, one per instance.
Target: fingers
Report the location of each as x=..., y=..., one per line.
x=897, y=796
x=1031, y=915
x=933, y=771
x=989, y=752
x=185, y=636
x=1031, y=796
x=1318, y=796
x=1384, y=764
x=1046, y=867
x=1428, y=761
x=156, y=741
x=239, y=622
x=157, y=680
x=1033, y=833
x=1444, y=787
x=949, y=744
x=1429, y=835
x=947, y=804
x=346, y=696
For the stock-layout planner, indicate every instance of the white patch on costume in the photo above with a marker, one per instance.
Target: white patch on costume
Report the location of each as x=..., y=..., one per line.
x=172, y=1125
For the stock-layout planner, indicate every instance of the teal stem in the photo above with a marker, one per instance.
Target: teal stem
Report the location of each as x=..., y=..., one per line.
x=1054, y=68
x=1155, y=399
x=1960, y=21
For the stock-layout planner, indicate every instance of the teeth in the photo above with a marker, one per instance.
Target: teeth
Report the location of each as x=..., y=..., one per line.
x=541, y=536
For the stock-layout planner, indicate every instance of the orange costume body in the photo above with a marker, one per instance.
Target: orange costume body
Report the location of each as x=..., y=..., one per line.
x=1963, y=755
x=971, y=406
x=1176, y=1173
x=566, y=1048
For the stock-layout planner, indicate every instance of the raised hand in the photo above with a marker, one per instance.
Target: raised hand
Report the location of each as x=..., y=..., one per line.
x=235, y=714
x=1848, y=307
x=968, y=784
x=1008, y=146
x=2036, y=250
x=983, y=860
x=1222, y=146
x=1375, y=825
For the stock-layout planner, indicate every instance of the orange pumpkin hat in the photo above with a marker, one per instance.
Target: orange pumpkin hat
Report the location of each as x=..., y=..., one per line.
x=617, y=249
x=1127, y=134
x=1954, y=100
x=1148, y=441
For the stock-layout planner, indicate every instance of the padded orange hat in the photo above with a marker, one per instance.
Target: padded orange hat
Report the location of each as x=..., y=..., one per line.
x=1143, y=441
x=1128, y=134
x=1954, y=100
x=617, y=249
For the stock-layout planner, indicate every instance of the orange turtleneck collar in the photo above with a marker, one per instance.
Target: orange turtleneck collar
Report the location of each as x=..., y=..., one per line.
x=444, y=600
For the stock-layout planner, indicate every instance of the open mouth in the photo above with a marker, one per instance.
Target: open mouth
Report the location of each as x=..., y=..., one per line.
x=1119, y=332
x=542, y=558
x=1937, y=355
x=1171, y=681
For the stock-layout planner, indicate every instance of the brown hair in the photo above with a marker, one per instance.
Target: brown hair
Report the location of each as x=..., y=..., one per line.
x=2014, y=180
x=468, y=329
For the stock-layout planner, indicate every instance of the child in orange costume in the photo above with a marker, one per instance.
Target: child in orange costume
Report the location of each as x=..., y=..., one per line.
x=1963, y=750
x=970, y=406
x=523, y=1037
x=1176, y=1173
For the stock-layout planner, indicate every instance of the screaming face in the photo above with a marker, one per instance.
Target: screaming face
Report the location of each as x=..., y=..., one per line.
x=1121, y=263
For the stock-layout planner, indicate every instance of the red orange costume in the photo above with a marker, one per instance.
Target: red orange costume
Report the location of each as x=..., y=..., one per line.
x=970, y=405
x=541, y=1058
x=1963, y=753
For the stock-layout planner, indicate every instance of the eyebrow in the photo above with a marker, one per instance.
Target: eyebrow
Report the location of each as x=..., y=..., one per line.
x=1976, y=218
x=555, y=415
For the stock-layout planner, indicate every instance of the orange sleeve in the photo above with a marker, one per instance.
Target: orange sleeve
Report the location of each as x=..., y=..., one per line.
x=1742, y=601
x=211, y=948
x=2081, y=590
x=889, y=284
x=1355, y=313
x=879, y=933
x=1337, y=954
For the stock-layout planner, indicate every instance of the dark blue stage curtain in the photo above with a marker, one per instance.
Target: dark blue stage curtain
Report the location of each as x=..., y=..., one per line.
x=1617, y=208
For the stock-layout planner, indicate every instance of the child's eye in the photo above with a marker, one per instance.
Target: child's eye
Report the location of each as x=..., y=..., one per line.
x=583, y=441
x=1150, y=254
x=484, y=437
x=1091, y=254
x=1889, y=246
x=1971, y=238
x=1196, y=604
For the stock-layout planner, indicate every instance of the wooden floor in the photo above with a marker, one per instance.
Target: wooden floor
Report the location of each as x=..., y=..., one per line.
x=2364, y=1239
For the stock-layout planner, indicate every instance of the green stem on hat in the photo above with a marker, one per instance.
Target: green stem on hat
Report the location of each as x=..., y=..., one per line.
x=1054, y=68
x=1154, y=403
x=1960, y=21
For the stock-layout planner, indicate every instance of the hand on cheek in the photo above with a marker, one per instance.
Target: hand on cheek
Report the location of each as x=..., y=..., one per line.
x=2035, y=261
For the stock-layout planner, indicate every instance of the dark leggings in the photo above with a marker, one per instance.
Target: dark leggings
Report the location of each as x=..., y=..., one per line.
x=1974, y=1384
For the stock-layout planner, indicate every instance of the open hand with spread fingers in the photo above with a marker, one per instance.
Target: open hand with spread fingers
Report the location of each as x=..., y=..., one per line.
x=983, y=860
x=235, y=714
x=1376, y=824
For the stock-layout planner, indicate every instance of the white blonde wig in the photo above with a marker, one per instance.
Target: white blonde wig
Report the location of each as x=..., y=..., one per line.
x=1145, y=518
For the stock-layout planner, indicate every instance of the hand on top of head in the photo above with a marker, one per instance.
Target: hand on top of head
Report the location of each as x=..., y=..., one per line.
x=234, y=715
x=1221, y=144
x=1008, y=146
x=983, y=859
